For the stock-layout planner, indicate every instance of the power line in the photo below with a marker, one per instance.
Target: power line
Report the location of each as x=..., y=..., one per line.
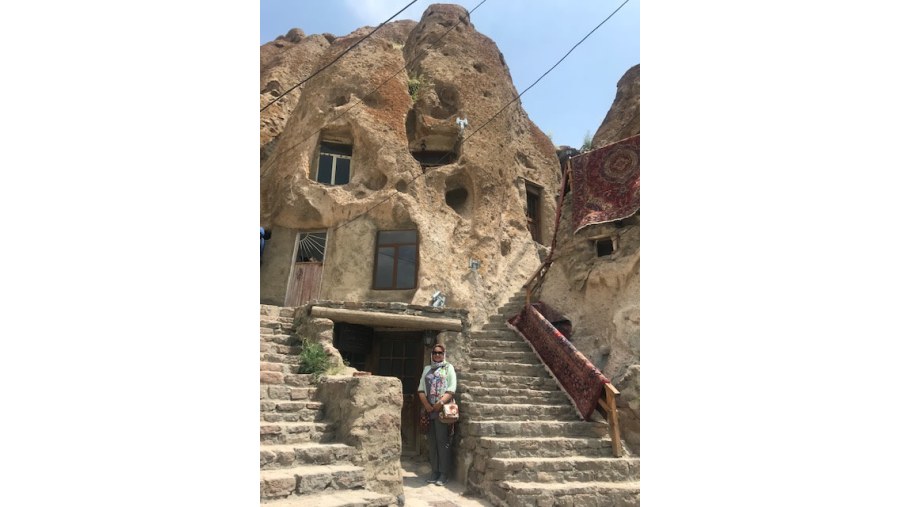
x=276, y=99
x=495, y=115
x=271, y=161
x=550, y=69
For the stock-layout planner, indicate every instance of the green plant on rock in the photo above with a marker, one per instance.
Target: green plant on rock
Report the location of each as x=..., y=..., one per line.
x=313, y=360
x=417, y=84
x=586, y=145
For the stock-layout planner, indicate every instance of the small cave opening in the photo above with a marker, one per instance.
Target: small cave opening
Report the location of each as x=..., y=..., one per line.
x=431, y=145
x=457, y=199
x=457, y=194
x=435, y=150
x=434, y=158
x=605, y=247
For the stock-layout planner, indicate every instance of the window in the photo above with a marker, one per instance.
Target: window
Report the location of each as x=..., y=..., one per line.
x=311, y=247
x=334, y=164
x=396, y=260
x=605, y=246
x=533, y=210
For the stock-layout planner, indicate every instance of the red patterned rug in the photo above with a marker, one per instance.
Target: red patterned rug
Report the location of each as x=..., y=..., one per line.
x=580, y=379
x=606, y=183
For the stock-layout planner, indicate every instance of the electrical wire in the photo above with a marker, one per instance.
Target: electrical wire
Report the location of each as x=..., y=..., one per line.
x=276, y=99
x=495, y=115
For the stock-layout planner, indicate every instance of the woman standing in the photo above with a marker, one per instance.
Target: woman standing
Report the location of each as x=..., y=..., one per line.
x=436, y=387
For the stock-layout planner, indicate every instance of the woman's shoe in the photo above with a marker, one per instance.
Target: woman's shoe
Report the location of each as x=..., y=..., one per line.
x=434, y=478
x=441, y=481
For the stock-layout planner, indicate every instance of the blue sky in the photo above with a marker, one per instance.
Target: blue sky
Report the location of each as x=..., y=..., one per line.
x=567, y=104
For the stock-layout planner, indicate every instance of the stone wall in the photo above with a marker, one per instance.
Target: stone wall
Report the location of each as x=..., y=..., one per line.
x=366, y=412
x=276, y=259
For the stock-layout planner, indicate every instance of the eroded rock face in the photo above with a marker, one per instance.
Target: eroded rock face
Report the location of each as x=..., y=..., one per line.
x=281, y=62
x=595, y=280
x=623, y=119
x=413, y=168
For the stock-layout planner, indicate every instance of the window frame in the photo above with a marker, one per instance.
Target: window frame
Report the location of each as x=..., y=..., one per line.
x=326, y=150
x=534, y=192
x=396, y=257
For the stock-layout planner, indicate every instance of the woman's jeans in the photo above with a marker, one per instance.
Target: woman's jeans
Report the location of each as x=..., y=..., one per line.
x=439, y=447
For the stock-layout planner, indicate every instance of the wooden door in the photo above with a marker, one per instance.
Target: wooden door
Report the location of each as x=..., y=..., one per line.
x=306, y=273
x=400, y=355
x=305, y=283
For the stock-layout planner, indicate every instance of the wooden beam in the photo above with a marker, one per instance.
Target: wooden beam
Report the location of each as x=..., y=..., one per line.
x=382, y=319
x=613, y=415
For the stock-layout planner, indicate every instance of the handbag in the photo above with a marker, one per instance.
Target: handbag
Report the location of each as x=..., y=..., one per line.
x=449, y=413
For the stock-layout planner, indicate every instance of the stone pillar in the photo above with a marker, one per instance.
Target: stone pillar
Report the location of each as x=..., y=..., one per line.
x=366, y=412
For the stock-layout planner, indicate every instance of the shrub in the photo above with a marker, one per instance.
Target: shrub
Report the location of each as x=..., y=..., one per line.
x=313, y=359
x=416, y=83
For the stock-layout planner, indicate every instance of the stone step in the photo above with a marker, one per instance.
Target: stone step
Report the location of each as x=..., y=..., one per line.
x=484, y=379
x=339, y=498
x=501, y=345
x=281, y=339
x=286, y=369
x=564, y=469
x=476, y=394
x=582, y=494
x=520, y=412
x=283, y=392
x=504, y=334
x=272, y=357
x=269, y=321
x=510, y=356
x=306, y=416
x=283, y=432
x=291, y=411
x=299, y=380
x=277, y=348
x=268, y=377
x=546, y=428
x=309, y=479
x=274, y=311
x=290, y=379
x=546, y=447
x=506, y=368
x=310, y=453
x=498, y=318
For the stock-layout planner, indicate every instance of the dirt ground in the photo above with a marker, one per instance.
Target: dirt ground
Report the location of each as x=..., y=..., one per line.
x=418, y=493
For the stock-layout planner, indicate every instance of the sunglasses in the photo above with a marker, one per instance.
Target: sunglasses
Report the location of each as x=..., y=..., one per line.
x=435, y=352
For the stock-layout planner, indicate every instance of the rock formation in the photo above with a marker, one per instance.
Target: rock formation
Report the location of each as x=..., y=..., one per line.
x=398, y=100
x=623, y=119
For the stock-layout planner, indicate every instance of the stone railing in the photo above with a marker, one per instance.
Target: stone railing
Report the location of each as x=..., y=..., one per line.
x=366, y=415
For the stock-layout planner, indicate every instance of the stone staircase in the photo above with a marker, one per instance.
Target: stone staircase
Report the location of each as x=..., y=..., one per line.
x=530, y=447
x=300, y=462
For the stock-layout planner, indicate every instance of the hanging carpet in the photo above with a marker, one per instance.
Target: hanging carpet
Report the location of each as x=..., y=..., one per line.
x=580, y=379
x=606, y=183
